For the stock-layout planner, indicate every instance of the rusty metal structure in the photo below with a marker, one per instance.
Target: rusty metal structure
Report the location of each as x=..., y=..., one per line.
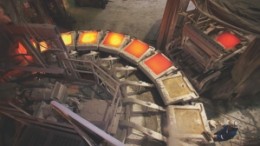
x=147, y=90
x=206, y=46
x=112, y=61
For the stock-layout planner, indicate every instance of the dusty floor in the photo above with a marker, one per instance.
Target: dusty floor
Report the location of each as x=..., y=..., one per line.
x=138, y=18
x=244, y=111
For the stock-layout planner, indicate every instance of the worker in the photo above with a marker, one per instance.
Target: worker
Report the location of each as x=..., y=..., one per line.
x=228, y=131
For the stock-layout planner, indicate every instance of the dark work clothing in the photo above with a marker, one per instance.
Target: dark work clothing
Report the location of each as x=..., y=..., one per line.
x=226, y=133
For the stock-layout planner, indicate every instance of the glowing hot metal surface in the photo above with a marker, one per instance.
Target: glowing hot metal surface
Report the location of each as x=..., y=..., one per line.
x=67, y=38
x=22, y=50
x=228, y=40
x=137, y=48
x=89, y=37
x=114, y=39
x=43, y=46
x=158, y=63
x=33, y=43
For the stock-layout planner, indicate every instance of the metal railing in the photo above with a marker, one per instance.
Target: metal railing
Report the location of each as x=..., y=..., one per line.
x=104, y=79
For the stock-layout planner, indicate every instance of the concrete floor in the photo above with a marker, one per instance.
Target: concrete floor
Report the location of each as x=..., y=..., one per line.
x=245, y=111
x=138, y=18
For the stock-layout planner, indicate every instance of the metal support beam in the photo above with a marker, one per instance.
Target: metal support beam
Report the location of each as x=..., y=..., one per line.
x=137, y=83
x=136, y=86
x=35, y=53
x=90, y=56
x=108, y=61
x=44, y=31
x=126, y=70
x=144, y=130
x=87, y=124
x=143, y=103
x=52, y=70
x=169, y=21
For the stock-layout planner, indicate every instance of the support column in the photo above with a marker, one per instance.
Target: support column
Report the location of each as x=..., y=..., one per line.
x=169, y=21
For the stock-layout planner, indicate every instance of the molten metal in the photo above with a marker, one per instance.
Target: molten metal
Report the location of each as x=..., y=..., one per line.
x=67, y=38
x=158, y=63
x=114, y=39
x=137, y=48
x=43, y=46
x=228, y=40
x=88, y=37
x=22, y=51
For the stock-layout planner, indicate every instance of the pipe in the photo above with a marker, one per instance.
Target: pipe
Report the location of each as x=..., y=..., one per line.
x=87, y=124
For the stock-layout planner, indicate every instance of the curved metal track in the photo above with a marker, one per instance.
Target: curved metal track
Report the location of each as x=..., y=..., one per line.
x=120, y=63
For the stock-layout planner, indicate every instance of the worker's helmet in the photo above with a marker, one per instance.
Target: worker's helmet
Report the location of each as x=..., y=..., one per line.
x=233, y=123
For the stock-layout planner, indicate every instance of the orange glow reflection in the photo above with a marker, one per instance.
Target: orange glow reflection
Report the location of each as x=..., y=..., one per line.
x=113, y=39
x=137, y=48
x=158, y=63
x=89, y=37
x=43, y=46
x=67, y=38
x=33, y=43
x=228, y=40
x=22, y=50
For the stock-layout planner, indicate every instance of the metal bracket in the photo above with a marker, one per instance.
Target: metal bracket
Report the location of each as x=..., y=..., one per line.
x=143, y=103
x=126, y=69
x=141, y=87
x=146, y=131
x=90, y=56
x=110, y=59
x=137, y=83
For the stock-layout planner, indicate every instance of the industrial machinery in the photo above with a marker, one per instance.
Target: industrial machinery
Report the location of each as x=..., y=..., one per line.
x=108, y=80
x=95, y=87
x=207, y=48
